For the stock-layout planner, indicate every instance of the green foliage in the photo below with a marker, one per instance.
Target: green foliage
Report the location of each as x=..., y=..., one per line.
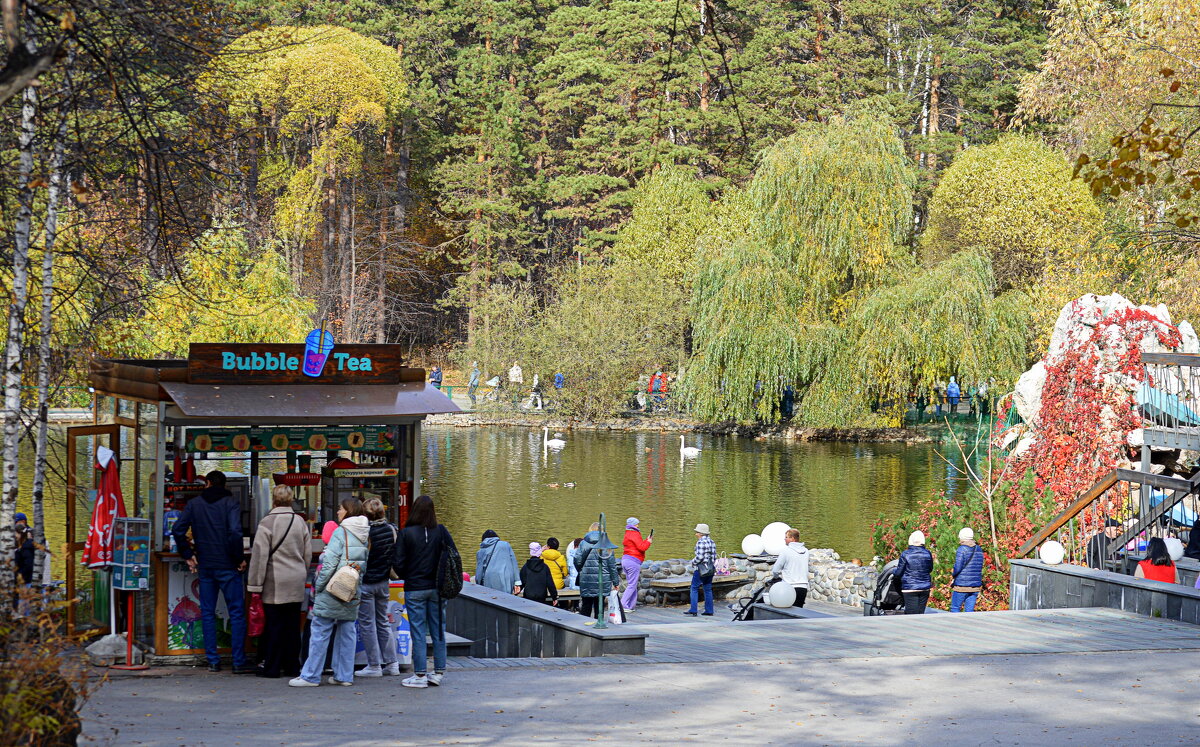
x=946, y=320
x=671, y=210
x=823, y=221
x=1016, y=201
x=224, y=293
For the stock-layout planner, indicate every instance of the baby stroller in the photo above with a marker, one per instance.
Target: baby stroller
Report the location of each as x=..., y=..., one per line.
x=887, y=600
x=741, y=610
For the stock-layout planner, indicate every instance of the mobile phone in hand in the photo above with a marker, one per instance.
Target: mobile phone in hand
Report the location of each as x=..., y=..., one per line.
x=651, y=534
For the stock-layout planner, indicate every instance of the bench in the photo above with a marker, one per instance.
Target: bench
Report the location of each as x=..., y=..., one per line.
x=568, y=599
x=664, y=587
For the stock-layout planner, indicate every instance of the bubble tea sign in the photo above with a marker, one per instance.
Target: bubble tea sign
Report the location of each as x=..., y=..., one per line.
x=317, y=361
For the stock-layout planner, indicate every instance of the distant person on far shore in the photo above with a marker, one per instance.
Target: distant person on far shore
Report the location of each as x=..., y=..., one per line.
x=516, y=379
x=704, y=565
x=473, y=382
x=635, y=547
x=915, y=571
x=435, y=377
x=967, y=576
x=953, y=394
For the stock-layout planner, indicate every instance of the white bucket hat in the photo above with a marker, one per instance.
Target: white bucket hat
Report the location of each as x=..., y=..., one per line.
x=702, y=529
x=916, y=538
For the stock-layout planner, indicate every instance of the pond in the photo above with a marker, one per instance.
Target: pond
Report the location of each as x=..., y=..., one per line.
x=502, y=479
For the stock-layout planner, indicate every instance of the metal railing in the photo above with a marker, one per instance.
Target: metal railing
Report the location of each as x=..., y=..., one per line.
x=1169, y=400
x=1110, y=525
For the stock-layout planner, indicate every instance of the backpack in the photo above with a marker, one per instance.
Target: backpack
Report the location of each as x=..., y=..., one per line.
x=450, y=572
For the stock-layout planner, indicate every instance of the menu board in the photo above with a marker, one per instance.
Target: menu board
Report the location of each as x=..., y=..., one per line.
x=358, y=438
x=131, y=554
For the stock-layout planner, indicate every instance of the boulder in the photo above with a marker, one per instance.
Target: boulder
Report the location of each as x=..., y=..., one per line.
x=1027, y=397
x=1191, y=343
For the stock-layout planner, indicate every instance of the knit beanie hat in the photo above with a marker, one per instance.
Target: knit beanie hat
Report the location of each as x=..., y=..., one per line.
x=535, y=550
x=966, y=533
x=916, y=538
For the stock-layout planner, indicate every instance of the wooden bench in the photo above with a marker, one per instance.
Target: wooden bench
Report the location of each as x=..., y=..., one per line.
x=568, y=599
x=677, y=584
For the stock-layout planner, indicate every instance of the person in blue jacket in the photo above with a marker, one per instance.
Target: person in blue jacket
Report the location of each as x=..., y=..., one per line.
x=915, y=571
x=215, y=519
x=967, y=579
x=953, y=394
x=435, y=377
x=496, y=565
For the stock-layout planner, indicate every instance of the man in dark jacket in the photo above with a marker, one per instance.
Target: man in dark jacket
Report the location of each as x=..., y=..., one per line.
x=215, y=519
x=536, y=582
x=1097, y=546
x=598, y=573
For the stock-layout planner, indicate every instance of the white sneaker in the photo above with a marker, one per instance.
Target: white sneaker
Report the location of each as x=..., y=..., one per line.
x=369, y=672
x=435, y=678
x=392, y=670
x=417, y=680
x=301, y=682
x=334, y=681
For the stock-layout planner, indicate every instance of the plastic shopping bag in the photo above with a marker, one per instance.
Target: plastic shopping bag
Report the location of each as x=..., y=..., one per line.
x=255, y=617
x=614, y=608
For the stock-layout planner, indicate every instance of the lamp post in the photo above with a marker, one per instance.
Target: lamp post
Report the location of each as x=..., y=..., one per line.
x=604, y=543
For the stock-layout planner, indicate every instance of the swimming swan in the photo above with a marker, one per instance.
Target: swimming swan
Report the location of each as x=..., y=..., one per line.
x=687, y=451
x=551, y=443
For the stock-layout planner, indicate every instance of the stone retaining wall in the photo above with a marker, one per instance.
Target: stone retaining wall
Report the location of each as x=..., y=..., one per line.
x=829, y=578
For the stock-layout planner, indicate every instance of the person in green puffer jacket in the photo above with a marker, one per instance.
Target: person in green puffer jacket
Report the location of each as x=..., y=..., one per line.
x=588, y=562
x=332, y=617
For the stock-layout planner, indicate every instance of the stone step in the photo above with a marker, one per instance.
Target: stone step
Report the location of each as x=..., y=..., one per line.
x=456, y=645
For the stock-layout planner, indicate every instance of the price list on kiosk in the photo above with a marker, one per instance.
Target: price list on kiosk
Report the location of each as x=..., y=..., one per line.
x=366, y=438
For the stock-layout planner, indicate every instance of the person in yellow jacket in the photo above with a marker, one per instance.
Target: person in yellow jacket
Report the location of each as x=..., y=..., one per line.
x=556, y=562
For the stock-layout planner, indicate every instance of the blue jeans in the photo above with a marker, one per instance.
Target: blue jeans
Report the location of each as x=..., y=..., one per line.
x=229, y=583
x=379, y=642
x=963, y=601
x=427, y=617
x=697, y=582
x=344, y=638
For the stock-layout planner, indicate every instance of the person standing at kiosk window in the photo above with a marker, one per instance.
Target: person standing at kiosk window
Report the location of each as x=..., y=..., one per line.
x=215, y=519
x=278, y=568
x=374, y=628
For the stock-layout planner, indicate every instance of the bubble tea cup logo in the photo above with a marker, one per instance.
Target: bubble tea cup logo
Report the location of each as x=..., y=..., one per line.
x=317, y=347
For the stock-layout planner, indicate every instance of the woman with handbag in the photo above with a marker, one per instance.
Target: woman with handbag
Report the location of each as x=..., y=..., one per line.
x=335, y=608
x=422, y=557
x=374, y=628
x=967, y=576
x=278, y=569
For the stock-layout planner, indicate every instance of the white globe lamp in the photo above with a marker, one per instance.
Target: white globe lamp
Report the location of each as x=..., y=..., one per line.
x=752, y=544
x=781, y=595
x=773, y=537
x=1052, y=552
x=1174, y=547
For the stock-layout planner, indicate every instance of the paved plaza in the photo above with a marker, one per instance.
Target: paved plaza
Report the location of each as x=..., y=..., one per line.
x=1065, y=676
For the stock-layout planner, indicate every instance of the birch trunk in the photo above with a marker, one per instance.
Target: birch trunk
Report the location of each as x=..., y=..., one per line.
x=43, y=378
x=13, y=365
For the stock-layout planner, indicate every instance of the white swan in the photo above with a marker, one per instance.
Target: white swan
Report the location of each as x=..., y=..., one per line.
x=551, y=443
x=688, y=451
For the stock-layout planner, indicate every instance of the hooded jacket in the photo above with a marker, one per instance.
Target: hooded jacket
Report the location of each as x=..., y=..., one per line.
x=968, y=566
x=536, y=582
x=634, y=544
x=348, y=545
x=587, y=562
x=557, y=565
x=215, y=519
x=915, y=569
x=496, y=565
x=792, y=564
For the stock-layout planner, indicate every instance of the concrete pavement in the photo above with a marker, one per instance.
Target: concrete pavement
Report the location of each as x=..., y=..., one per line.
x=1135, y=697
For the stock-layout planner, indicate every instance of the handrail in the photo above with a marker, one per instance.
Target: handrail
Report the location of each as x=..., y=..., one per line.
x=1172, y=359
x=1070, y=512
x=1162, y=482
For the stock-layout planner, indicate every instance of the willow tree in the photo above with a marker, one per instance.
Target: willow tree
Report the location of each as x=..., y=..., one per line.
x=944, y=321
x=825, y=219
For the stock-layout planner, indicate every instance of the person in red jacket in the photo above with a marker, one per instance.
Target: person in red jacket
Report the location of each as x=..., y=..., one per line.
x=631, y=561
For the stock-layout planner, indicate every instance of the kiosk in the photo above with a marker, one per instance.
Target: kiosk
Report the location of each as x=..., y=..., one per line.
x=258, y=413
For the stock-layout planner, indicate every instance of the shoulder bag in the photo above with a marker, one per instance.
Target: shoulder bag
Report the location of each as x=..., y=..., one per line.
x=450, y=574
x=344, y=584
